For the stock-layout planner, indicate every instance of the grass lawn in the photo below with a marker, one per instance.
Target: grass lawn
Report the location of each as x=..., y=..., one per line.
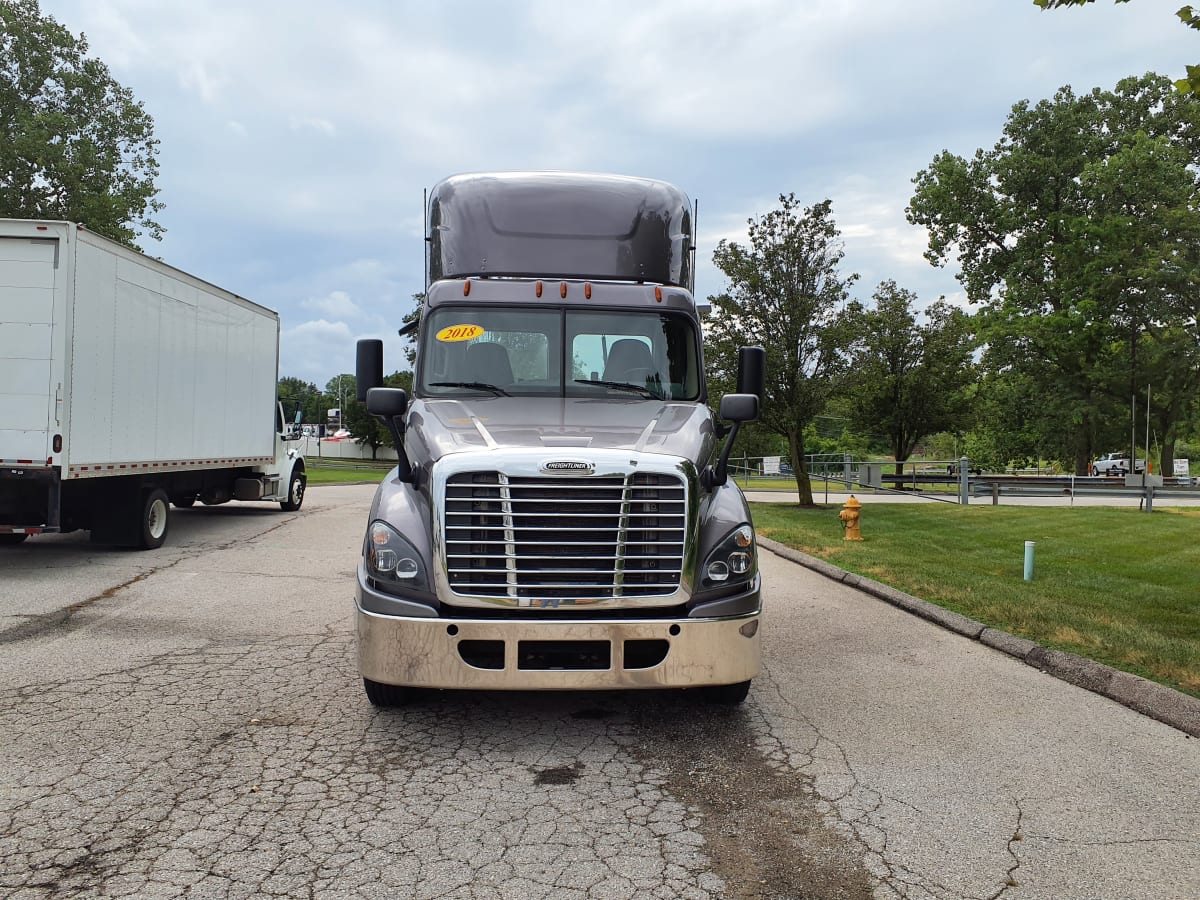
x=344, y=473
x=1112, y=584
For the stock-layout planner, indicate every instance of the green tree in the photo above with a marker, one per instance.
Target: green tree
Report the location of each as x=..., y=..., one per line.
x=787, y=295
x=1186, y=14
x=74, y=144
x=411, y=328
x=910, y=379
x=340, y=390
x=365, y=427
x=1076, y=233
x=298, y=395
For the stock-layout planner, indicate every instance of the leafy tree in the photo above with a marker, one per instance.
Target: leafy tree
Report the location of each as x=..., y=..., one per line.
x=74, y=144
x=296, y=394
x=339, y=390
x=412, y=326
x=1186, y=14
x=1172, y=369
x=1075, y=234
x=785, y=294
x=365, y=427
x=909, y=380
x=1012, y=421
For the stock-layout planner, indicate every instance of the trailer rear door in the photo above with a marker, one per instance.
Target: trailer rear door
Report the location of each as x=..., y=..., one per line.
x=28, y=267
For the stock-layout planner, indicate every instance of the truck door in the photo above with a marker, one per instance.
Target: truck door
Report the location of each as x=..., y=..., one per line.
x=28, y=267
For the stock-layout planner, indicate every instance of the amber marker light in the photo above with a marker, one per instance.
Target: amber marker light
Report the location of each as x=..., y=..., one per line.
x=587, y=290
x=658, y=293
x=562, y=290
x=537, y=289
x=466, y=289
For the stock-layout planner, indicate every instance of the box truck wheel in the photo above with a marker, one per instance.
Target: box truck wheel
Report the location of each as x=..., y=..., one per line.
x=154, y=520
x=381, y=694
x=295, y=492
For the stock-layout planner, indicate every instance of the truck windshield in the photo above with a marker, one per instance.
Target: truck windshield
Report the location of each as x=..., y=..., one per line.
x=557, y=352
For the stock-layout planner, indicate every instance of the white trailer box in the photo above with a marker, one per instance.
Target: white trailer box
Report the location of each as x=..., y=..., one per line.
x=125, y=383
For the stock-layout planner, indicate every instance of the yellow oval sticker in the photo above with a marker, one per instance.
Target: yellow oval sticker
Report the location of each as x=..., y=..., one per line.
x=459, y=333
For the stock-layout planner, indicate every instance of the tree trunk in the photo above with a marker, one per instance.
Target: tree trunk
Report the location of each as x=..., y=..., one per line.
x=800, y=466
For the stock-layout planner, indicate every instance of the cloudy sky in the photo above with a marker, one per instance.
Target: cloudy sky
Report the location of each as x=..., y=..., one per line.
x=297, y=137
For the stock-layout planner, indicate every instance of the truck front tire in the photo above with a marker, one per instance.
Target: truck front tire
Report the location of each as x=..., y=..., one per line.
x=295, y=493
x=385, y=695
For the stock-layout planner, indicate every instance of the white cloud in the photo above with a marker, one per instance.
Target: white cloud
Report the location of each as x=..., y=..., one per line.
x=305, y=350
x=312, y=123
x=335, y=305
x=296, y=137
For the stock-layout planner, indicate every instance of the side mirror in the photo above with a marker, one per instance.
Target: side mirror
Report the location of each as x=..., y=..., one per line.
x=387, y=402
x=739, y=407
x=752, y=367
x=368, y=368
x=389, y=406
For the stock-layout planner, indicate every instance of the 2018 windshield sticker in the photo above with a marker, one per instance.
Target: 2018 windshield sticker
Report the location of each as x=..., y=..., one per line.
x=459, y=333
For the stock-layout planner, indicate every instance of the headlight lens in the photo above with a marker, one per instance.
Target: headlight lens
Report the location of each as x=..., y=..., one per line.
x=393, y=560
x=734, y=557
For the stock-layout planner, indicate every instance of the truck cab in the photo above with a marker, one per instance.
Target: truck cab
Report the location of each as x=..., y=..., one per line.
x=561, y=516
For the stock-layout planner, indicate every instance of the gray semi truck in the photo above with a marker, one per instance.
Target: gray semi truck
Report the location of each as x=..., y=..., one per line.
x=561, y=517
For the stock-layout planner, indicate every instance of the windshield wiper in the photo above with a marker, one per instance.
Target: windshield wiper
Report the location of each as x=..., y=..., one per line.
x=472, y=385
x=622, y=386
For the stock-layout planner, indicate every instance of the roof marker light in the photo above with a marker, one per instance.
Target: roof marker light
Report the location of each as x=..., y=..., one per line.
x=537, y=289
x=466, y=289
x=587, y=290
x=658, y=293
x=562, y=290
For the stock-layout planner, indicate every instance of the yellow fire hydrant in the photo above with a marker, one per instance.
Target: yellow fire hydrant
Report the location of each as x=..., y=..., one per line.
x=849, y=516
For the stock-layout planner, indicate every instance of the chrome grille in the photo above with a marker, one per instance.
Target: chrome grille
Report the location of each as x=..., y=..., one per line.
x=549, y=540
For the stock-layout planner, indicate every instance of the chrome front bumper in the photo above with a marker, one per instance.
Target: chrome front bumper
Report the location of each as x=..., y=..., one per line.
x=428, y=652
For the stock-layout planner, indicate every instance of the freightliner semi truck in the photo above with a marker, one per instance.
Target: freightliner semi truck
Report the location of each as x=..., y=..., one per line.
x=127, y=385
x=561, y=516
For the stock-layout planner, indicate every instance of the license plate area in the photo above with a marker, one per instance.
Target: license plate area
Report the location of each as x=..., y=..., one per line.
x=564, y=655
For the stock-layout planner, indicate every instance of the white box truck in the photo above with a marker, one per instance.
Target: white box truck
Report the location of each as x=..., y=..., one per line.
x=127, y=385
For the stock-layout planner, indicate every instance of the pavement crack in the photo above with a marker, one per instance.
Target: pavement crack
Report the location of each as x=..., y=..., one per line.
x=1010, y=877
x=62, y=621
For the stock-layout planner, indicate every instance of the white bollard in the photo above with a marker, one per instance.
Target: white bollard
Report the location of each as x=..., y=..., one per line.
x=1029, y=545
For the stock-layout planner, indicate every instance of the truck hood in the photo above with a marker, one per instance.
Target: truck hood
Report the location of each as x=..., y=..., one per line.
x=441, y=427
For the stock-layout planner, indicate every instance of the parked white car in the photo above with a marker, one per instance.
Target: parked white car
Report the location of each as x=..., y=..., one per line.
x=1116, y=464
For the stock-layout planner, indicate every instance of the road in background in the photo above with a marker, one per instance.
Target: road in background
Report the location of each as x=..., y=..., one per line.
x=870, y=495
x=190, y=719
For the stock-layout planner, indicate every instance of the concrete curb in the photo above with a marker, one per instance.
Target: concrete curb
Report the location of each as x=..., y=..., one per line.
x=1150, y=698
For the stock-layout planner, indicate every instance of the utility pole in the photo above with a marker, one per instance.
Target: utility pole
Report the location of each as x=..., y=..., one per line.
x=341, y=401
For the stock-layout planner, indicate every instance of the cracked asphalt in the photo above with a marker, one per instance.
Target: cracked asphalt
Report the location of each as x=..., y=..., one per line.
x=189, y=722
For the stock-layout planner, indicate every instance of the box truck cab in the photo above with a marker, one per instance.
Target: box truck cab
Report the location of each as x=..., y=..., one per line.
x=561, y=515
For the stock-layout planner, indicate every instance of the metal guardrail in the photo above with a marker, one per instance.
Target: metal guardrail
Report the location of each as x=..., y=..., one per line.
x=957, y=486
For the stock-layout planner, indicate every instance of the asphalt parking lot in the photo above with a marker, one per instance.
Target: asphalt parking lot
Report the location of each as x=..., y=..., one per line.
x=189, y=722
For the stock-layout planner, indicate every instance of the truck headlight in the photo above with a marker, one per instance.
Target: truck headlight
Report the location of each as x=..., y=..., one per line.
x=734, y=558
x=393, y=560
